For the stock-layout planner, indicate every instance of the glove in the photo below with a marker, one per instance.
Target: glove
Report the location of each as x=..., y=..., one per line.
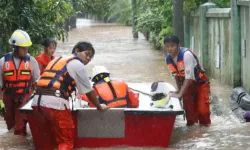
x=2, y=109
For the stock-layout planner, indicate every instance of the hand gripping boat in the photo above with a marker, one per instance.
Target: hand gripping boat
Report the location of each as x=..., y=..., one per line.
x=150, y=125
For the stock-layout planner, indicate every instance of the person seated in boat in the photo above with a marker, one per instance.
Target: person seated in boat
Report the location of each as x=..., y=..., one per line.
x=113, y=93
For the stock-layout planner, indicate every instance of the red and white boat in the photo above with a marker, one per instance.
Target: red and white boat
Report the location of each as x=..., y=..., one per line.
x=145, y=126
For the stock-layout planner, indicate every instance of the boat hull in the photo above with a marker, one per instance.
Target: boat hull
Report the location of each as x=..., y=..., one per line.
x=137, y=127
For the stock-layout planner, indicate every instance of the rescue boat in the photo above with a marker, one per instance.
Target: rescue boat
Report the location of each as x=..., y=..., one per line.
x=149, y=125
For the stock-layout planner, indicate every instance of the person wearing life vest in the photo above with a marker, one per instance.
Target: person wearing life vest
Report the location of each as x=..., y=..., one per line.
x=113, y=93
x=192, y=83
x=48, y=54
x=19, y=73
x=61, y=77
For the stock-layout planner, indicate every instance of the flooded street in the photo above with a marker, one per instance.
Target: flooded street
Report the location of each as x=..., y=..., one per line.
x=136, y=61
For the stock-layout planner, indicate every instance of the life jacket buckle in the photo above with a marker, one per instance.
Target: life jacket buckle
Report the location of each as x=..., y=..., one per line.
x=57, y=93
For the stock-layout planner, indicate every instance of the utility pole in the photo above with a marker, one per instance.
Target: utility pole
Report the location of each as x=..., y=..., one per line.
x=178, y=22
x=134, y=18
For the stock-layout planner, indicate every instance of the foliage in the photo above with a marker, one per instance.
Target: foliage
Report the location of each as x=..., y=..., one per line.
x=121, y=12
x=151, y=20
x=190, y=5
x=222, y=3
x=40, y=18
x=165, y=32
x=99, y=8
x=155, y=18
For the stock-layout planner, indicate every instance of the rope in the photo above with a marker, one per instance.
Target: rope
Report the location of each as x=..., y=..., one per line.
x=141, y=92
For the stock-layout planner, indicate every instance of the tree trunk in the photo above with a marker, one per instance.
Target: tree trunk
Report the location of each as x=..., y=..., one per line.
x=178, y=22
x=134, y=18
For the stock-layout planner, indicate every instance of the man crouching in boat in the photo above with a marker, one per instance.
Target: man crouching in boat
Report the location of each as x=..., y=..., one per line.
x=193, y=85
x=113, y=93
x=51, y=106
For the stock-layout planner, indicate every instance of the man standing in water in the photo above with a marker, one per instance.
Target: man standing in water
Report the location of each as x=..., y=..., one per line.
x=19, y=73
x=193, y=85
x=51, y=103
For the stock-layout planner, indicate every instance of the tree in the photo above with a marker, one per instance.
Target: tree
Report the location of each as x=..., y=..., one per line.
x=41, y=19
x=134, y=20
x=178, y=22
x=100, y=8
x=121, y=12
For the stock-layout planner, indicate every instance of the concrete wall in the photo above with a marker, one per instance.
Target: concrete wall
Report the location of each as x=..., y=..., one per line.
x=245, y=49
x=212, y=26
x=195, y=33
x=226, y=55
x=219, y=47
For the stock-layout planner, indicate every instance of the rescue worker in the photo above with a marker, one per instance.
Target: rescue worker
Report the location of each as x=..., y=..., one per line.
x=51, y=106
x=19, y=73
x=48, y=54
x=192, y=83
x=113, y=93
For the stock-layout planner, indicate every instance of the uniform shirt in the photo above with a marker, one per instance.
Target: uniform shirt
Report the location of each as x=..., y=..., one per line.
x=189, y=64
x=77, y=71
x=43, y=60
x=133, y=98
x=35, y=71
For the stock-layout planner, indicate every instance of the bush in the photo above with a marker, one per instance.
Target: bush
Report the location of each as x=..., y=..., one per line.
x=41, y=19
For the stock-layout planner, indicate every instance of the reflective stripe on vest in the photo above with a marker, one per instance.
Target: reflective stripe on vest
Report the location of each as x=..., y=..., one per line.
x=113, y=93
x=57, y=77
x=179, y=69
x=16, y=80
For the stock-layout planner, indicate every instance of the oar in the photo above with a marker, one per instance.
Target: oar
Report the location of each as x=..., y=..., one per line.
x=141, y=92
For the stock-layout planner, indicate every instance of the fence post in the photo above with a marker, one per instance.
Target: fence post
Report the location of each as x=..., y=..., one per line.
x=204, y=33
x=235, y=36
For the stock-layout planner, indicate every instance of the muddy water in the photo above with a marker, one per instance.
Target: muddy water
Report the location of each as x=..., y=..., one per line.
x=136, y=61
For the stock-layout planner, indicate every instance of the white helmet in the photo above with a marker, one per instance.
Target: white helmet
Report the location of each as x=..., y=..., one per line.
x=20, y=38
x=99, y=70
x=160, y=98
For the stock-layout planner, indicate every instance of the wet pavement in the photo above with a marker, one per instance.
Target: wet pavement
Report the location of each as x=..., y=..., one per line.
x=135, y=60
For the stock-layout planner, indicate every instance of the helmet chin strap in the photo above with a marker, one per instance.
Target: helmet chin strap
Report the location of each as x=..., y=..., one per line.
x=15, y=52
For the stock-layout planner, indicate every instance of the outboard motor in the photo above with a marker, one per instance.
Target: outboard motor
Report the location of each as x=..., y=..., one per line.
x=159, y=95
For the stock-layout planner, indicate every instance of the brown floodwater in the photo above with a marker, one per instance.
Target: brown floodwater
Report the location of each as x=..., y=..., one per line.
x=135, y=60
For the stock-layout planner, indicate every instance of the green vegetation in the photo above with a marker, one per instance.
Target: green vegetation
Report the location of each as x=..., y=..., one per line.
x=40, y=18
x=155, y=20
x=154, y=17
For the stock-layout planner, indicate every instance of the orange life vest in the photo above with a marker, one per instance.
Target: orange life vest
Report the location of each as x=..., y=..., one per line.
x=56, y=76
x=43, y=60
x=178, y=71
x=113, y=93
x=15, y=80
